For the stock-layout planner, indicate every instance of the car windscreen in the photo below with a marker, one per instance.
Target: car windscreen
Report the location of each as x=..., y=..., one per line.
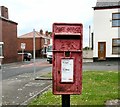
x=49, y=49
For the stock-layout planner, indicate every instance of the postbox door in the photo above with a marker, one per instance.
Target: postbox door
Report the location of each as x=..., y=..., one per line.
x=65, y=84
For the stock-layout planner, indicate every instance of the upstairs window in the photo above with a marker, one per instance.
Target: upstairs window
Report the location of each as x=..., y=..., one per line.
x=116, y=46
x=116, y=20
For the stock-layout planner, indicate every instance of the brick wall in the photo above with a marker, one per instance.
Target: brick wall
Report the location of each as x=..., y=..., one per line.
x=0, y=30
x=29, y=45
x=9, y=37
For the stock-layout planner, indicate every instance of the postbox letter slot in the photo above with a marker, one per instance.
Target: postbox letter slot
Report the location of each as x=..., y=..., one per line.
x=67, y=37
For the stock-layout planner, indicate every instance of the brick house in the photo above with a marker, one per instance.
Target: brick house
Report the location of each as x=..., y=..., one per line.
x=8, y=35
x=41, y=42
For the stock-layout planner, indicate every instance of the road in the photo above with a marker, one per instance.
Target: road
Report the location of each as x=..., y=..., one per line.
x=27, y=67
x=15, y=69
x=101, y=66
x=19, y=85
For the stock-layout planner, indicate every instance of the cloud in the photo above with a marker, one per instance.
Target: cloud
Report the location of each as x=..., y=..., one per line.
x=41, y=14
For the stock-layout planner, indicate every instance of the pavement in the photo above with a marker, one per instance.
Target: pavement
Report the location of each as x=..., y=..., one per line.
x=27, y=86
x=24, y=86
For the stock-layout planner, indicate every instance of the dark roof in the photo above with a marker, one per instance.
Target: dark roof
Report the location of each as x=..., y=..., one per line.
x=102, y=4
x=7, y=20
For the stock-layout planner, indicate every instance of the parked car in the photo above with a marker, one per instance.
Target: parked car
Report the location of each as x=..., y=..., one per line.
x=27, y=56
x=49, y=54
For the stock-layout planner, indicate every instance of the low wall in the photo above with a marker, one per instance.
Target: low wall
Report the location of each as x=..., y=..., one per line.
x=87, y=55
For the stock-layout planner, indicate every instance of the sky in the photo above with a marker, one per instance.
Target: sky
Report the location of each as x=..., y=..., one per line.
x=41, y=14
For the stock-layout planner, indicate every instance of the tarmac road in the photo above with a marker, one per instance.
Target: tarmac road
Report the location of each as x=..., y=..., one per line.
x=101, y=66
x=14, y=69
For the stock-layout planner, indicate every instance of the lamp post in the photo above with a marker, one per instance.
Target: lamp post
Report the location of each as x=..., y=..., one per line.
x=89, y=35
x=1, y=57
x=34, y=51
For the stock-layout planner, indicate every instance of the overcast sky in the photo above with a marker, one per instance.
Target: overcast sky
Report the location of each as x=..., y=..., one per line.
x=41, y=14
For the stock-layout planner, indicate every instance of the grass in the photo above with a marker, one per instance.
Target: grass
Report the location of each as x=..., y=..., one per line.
x=48, y=75
x=98, y=87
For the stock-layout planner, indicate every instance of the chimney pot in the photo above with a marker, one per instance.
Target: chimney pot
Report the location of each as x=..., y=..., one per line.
x=4, y=12
x=41, y=32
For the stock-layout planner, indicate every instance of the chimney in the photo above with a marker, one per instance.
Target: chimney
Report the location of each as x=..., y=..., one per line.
x=46, y=33
x=4, y=11
x=41, y=32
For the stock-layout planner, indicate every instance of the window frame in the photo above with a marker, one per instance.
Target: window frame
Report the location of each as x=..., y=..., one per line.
x=115, y=19
x=1, y=50
x=115, y=45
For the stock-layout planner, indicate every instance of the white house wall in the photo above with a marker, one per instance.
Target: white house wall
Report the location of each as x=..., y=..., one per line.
x=103, y=30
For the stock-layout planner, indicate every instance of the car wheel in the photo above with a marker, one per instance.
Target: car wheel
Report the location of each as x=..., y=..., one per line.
x=50, y=62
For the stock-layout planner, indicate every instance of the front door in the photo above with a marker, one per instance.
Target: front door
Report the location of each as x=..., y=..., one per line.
x=101, y=50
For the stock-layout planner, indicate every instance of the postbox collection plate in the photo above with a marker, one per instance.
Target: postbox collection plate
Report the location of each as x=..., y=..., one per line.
x=67, y=67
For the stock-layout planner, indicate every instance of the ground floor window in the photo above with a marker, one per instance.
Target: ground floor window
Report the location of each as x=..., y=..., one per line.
x=1, y=49
x=116, y=46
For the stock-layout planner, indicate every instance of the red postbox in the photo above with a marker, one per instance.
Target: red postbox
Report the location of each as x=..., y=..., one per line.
x=67, y=58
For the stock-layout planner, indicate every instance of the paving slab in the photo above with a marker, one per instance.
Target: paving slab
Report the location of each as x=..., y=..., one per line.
x=20, y=89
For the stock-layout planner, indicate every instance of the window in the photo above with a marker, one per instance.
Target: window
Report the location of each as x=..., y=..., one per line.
x=116, y=46
x=116, y=20
x=49, y=49
x=45, y=41
x=1, y=50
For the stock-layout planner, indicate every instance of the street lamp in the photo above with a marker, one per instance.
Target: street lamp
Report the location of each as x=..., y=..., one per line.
x=34, y=51
x=1, y=57
x=89, y=35
x=1, y=50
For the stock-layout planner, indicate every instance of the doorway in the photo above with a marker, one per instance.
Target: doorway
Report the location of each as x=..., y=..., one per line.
x=101, y=50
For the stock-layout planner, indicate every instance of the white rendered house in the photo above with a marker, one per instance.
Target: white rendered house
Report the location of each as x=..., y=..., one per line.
x=106, y=30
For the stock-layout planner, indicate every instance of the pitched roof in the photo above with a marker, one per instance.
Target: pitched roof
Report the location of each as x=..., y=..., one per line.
x=31, y=34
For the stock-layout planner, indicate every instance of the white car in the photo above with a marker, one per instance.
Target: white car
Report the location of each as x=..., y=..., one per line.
x=49, y=54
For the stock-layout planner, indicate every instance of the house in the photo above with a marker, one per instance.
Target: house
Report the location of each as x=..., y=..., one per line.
x=8, y=36
x=41, y=42
x=106, y=30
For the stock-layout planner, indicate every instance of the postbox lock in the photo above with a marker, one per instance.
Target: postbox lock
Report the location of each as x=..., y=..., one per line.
x=67, y=54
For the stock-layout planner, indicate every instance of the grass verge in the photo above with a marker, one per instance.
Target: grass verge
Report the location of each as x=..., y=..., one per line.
x=98, y=87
